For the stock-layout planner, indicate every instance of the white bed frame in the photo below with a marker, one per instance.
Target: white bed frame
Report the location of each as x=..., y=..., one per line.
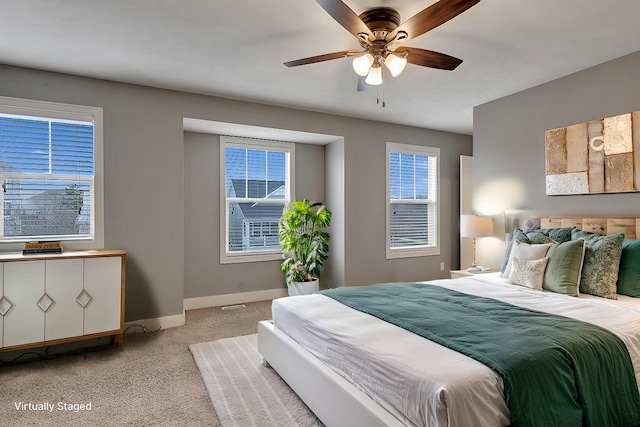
x=339, y=403
x=334, y=400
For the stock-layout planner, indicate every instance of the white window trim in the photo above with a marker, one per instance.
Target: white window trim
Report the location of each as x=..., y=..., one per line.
x=56, y=110
x=257, y=144
x=419, y=150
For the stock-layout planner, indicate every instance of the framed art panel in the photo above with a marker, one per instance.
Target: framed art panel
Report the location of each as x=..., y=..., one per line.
x=599, y=156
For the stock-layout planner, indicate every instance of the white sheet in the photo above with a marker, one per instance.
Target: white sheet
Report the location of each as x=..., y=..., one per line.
x=421, y=382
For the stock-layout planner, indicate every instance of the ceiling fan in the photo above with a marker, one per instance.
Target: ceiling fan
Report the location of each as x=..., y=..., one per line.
x=379, y=29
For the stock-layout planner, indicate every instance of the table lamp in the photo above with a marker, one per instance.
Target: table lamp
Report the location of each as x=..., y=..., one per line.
x=475, y=226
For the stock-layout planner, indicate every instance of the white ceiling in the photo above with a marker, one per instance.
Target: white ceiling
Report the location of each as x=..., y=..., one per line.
x=235, y=49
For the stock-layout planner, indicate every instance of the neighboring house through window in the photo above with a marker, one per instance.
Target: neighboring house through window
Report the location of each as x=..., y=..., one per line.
x=50, y=172
x=256, y=176
x=412, y=200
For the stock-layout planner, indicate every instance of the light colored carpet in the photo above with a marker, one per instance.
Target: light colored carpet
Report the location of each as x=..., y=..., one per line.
x=151, y=381
x=243, y=391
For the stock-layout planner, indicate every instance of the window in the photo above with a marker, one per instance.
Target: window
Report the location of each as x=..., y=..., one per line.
x=412, y=200
x=257, y=184
x=50, y=171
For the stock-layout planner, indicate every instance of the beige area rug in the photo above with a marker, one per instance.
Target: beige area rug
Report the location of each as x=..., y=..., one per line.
x=243, y=391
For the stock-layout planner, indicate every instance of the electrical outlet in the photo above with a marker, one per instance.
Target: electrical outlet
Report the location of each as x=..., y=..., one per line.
x=442, y=266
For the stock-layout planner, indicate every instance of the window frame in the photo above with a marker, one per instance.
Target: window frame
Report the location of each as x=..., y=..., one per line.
x=252, y=144
x=69, y=112
x=414, y=251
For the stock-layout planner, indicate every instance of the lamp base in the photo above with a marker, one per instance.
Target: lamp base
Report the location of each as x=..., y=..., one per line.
x=477, y=269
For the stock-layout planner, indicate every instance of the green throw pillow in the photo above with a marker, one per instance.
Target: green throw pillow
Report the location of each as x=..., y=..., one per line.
x=601, y=263
x=537, y=238
x=508, y=244
x=560, y=234
x=629, y=274
x=564, y=268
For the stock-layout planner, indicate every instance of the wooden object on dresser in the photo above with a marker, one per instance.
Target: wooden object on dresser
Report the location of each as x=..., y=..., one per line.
x=48, y=299
x=455, y=274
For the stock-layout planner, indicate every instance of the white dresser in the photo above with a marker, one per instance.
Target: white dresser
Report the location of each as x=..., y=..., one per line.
x=57, y=298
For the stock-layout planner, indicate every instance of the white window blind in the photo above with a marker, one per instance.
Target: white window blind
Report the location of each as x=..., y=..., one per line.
x=257, y=187
x=47, y=172
x=412, y=200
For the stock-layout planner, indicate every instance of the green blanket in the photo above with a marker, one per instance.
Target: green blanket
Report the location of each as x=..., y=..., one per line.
x=556, y=371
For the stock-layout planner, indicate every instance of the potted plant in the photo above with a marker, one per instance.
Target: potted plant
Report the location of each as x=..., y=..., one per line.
x=305, y=244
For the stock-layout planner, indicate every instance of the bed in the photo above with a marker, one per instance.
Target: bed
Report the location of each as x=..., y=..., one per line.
x=352, y=368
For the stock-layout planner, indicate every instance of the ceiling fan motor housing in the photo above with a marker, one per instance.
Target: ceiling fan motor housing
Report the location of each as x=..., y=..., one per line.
x=381, y=21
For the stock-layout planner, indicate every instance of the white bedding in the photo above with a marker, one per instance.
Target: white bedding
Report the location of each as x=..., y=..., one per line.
x=423, y=383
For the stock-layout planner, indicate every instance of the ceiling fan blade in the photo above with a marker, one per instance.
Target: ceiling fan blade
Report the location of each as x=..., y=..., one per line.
x=431, y=17
x=346, y=17
x=429, y=58
x=362, y=85
x=321, y=58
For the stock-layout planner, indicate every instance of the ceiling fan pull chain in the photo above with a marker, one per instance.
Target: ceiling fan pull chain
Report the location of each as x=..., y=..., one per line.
x=378, y=96
x=382, y=88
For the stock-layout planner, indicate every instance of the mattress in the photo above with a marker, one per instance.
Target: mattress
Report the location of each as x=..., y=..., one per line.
x=423, y=383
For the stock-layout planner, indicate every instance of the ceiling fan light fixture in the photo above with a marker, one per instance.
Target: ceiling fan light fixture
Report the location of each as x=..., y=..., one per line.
x=395, y=64
x=362, y=64
x=379, y=28
x=375, y=75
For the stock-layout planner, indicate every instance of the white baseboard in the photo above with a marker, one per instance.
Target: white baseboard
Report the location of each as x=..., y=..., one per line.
x=203, y=302
x=231, y=299
x=155, y=323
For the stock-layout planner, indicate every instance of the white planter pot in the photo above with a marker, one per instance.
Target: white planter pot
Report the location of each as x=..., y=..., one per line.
x=303, y=288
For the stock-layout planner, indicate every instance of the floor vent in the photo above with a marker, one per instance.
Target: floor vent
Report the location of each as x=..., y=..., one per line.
x=234, y=307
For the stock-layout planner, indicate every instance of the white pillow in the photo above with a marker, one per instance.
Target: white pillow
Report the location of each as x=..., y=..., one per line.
x=528, y=273
x=526, y=251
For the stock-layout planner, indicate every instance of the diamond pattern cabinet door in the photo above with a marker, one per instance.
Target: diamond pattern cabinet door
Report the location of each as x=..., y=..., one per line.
x=24, y=287
x=63, y=283
x=103, y=281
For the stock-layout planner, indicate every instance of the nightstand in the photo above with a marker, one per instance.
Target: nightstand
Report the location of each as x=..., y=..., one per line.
x=455, y=274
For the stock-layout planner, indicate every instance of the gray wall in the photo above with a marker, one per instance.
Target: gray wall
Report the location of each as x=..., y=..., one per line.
x=203, y=273
x=333, y=274
x=145, y=176
x=365, y=178
x=509, y=140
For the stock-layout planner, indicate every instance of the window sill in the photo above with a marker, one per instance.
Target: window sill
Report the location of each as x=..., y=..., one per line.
x=412, y=253
x=250, y=257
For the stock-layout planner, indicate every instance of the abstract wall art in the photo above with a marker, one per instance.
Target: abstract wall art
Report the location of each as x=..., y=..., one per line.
x=599, y=156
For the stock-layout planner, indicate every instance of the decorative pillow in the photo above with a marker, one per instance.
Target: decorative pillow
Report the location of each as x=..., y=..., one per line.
x=629, y=273
x=528, y=273
x=601, y=263
x=526, y=251
x=560, y=235
x=531, y=224
x=564, y=267
x=535, y=237
x=508, y=244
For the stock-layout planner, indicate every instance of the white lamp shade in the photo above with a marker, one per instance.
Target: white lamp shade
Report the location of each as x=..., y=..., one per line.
x=475, y=226
x=375, y=75
x=395, y=64
x=361, y=64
